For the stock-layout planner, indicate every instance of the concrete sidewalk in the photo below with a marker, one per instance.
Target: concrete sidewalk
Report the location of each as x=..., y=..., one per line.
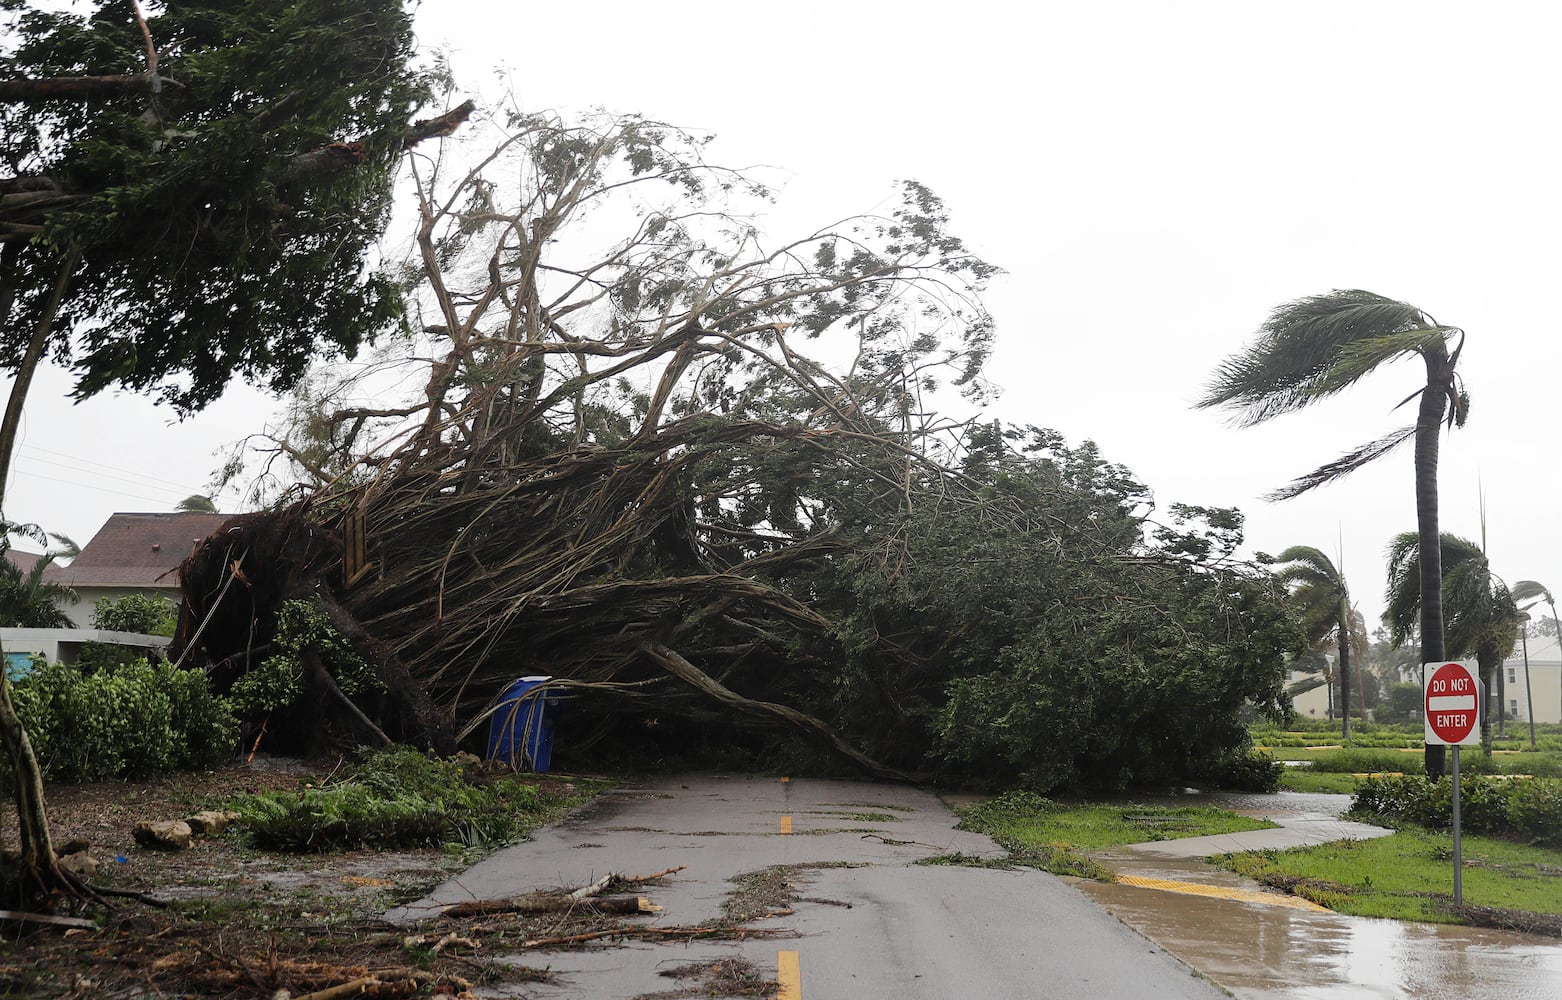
x=1294, y=831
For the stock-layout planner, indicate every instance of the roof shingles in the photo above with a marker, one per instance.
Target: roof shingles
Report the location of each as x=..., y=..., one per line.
x=137, y=550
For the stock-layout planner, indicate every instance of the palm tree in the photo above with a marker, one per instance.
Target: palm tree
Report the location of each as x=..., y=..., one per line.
x=1530, y=593
x=1483, y=619
x=28, y=601
x=198, y=503
x=1318, y=346
x=1322, y=600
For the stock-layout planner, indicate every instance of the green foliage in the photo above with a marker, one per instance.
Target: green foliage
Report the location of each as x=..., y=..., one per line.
x=398, y=797
x=1535, y=811
x=209, y=211
x=144, y=613
x=130, y=721
x=1050, y=642
x=1400, y=704
x=1363, y=760
x=302, y=629
x=1241, y=769
x=1320, y=345
x=27, y=600
x=276, y=682
x=1007, y=807
x=1528, y=809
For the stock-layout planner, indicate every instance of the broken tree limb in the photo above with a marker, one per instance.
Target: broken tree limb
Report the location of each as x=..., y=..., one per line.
x=639, y=879
x=671, y=661
x=685, y=933
x=536, y=903
x=321, y=676
x=594, y=888
x=365, y=986
x=46, y=920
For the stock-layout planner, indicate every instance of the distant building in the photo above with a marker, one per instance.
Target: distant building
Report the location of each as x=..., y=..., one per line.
x=63, y=645
x=1545, y=681
x=132, y=554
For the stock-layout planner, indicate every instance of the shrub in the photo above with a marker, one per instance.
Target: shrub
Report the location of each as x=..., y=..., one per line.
x=339, y=817
x=1535, y=811
x=1362, y=761
x=1011, y=805
x=1525, y=808
x=129, y=721
x=1243, y=770
x=278, y=681
x=148, y=615
x=399, y=797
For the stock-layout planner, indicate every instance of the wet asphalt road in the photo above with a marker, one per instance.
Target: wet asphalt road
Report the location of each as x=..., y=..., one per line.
x=1270, y=952
x=885, y=928
x=914, y=931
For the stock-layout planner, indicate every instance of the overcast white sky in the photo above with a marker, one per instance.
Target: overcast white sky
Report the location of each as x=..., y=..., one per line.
x=1154, y=178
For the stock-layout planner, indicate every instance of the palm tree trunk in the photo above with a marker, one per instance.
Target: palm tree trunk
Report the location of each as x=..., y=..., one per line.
x=1345, y=667
x=1429, y=424
x=1502, y=701
x=1529, y=694
x=1484, y=664
x=1556, y=624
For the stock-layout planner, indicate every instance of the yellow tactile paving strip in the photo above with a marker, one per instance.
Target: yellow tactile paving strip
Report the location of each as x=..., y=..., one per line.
x=1218, y=892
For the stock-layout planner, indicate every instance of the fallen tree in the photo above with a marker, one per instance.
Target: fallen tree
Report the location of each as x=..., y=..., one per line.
x=624, y=472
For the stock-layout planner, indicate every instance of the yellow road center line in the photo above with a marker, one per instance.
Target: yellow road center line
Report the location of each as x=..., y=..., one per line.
x=1219, y=892
x=786, y=824
x=790, y=975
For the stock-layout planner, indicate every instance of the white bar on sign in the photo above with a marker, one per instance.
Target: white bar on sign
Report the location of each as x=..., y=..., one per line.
x=1451, y=703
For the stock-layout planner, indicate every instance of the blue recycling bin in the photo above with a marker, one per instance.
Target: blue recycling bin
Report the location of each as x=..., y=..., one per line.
x=521, y=730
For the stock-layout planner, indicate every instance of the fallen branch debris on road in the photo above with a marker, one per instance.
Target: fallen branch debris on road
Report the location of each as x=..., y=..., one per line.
x=586, y=899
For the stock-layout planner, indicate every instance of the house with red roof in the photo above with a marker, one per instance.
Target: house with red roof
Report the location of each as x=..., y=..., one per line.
x=133, y=554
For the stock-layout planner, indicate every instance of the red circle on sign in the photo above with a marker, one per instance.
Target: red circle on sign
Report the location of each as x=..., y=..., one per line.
x=1452, y=703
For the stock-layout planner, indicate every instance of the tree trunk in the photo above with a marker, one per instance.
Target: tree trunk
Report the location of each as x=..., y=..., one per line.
x=1502, y=701
x=1483, y=663
x=1345, y=666
x=77, y=88
x=1429, y=424
x=1557, y=625
x=1529, y=693
x=37, y=876
x=432, y=729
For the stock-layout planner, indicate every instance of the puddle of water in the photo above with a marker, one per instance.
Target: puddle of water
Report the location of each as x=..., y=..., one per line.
x=1264, y=952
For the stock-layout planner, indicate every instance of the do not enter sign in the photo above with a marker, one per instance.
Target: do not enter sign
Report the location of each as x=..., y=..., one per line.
x=1453, y=705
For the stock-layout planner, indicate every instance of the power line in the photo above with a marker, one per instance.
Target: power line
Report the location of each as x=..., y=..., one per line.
x=156, y=481
x=104, y=489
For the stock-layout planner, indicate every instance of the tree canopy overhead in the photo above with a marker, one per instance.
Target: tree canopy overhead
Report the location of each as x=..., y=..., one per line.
x=198, y=195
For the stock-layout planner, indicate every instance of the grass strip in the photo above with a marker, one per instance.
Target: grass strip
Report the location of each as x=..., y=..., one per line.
x=1052, y=836
x=1409, y=876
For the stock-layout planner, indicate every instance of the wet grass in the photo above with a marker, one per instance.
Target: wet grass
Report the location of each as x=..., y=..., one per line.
x=1089, y=827
x=1409, y=876
x=1296, y=779
x=1053, y=836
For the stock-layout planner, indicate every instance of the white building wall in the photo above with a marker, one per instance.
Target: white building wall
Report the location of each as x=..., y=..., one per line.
x=1545, y=682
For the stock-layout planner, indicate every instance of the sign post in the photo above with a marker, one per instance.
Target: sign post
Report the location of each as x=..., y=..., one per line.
x=1452, y=703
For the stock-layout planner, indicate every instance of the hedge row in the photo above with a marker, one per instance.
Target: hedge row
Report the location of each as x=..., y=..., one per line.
x=1527, y=809
x=131, y=720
